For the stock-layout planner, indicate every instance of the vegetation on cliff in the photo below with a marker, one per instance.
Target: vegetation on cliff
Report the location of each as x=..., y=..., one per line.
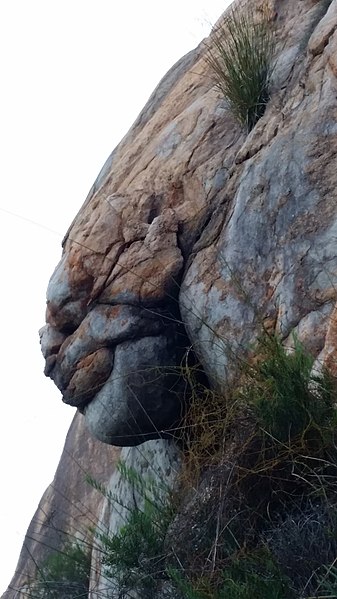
x=241, y=60
x=63, y=574
x=254, y=511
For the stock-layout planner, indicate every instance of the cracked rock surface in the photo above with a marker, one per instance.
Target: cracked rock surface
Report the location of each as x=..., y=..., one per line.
x=272, y=260
x=192, y=220
x=113, y=342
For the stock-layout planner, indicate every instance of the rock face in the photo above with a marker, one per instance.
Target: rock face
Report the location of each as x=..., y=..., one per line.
x=70, y=507
x=271, y=261
x=196, y=234
x=112, y=302
x=259, y=207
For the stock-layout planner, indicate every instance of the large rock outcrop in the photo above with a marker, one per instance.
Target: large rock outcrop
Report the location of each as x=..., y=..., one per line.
x=197, y=234
x=266, y=257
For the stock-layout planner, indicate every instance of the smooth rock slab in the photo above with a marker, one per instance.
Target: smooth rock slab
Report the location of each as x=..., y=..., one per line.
x=141, y=399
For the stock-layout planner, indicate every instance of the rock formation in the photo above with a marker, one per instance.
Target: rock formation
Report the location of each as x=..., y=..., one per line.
x=196, y=234
x=268, y=257
x=70, y=507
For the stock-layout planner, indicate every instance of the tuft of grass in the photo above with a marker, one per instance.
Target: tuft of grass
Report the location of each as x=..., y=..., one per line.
x=241, y=61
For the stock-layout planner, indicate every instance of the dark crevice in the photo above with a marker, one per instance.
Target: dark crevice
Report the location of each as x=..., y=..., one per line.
x=68, y=329
x=155, y=201
x=152, y=215
x=320, y=12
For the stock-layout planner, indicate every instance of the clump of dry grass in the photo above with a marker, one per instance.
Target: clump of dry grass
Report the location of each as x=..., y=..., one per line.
x=206, y=424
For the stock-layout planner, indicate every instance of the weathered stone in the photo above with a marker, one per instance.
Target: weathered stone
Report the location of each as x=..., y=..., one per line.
x=91, y=374
x=271, y=239
x=134, y=405
x=85, y=359
x=324, y=31
x=275, y=259
x=51, y=340
x=192, y=223
x=70, y=507
x=124, y=255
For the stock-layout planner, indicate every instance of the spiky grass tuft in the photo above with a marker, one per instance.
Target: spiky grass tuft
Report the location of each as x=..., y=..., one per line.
x=241, y=60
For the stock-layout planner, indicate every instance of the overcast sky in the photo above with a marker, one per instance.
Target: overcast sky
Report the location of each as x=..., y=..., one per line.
x=74, y=76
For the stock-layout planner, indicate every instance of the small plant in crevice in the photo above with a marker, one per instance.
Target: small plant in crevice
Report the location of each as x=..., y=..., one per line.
x=240, y=56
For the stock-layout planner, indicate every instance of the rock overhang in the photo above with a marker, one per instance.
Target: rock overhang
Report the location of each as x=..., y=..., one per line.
x=120, y=368
x=183, y=169
x=116, y=287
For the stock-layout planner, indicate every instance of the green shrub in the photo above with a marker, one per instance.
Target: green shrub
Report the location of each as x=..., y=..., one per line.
x=255, y=575
x=281, y=422
x=241, y=59
x=288, y=399
x=134, y=556
x=264, y=459
x=62, y=575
